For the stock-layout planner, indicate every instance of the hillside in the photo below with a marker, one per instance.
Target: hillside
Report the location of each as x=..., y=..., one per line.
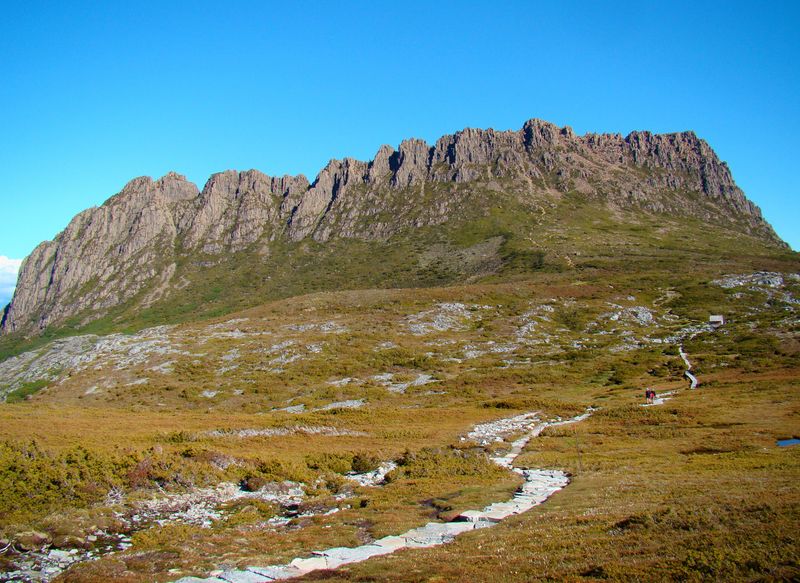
x=188, y=449
x=476, y=204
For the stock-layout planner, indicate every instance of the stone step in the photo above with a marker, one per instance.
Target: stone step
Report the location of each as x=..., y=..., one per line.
x=344, y=555
x=237, y=576
x=391, y=542
x=308, y=564
x=275, y=572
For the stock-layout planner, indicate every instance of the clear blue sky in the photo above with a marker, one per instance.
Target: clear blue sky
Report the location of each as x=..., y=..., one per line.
x=95, y=93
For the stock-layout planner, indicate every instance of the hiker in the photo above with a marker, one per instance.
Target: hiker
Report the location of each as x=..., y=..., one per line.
x=648, y=395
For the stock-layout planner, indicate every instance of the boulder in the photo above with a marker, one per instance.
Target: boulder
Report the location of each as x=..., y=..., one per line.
x=31, y=540
x=68, y=541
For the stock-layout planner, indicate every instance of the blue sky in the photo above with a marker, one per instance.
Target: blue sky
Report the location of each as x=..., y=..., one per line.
x=94, y=94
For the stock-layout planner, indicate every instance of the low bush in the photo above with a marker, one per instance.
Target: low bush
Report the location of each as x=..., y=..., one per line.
x=439, y=463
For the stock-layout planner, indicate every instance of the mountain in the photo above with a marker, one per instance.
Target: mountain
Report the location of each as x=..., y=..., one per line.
x=475, y=204
x=176, y=405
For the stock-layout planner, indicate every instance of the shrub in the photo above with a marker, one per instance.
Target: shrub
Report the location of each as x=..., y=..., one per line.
x=164, y=537
x=364, y=462
x=338, y=463
x=438, y=463
x=33, y=479
x=571, y=317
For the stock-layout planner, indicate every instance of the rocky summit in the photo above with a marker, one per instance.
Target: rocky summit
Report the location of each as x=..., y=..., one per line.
x=165, y=249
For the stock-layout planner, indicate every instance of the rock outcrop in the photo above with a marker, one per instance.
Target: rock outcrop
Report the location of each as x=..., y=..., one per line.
x=105, y=255
x=128, y=248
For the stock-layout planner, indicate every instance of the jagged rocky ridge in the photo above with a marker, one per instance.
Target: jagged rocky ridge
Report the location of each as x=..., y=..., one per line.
x=132, y=245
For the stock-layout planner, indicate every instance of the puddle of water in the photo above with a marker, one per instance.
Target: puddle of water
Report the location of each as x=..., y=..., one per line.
x=787, y=442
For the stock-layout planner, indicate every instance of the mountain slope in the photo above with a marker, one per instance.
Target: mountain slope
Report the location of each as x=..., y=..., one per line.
x=478, y=202
x=160, y=454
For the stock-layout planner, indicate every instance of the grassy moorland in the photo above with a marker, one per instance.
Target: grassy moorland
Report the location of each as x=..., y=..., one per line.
x=693, y=490
x=309, y=388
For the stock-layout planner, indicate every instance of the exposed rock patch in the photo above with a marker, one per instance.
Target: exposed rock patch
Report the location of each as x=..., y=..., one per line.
x=282, y=431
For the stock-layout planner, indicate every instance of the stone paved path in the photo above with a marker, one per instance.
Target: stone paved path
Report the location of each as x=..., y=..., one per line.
x=539, y=485
x=688, y=373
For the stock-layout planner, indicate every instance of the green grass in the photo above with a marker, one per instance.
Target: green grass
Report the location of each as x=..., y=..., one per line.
x=26, y=390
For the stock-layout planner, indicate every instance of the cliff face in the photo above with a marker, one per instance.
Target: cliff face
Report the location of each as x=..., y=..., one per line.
x=131, y=246
x=103, y=256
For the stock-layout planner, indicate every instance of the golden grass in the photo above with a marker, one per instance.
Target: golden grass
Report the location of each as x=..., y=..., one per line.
x=692, y=489
x=109, y=429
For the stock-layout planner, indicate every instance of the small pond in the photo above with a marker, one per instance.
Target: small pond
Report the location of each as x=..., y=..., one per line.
x=787, y=442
